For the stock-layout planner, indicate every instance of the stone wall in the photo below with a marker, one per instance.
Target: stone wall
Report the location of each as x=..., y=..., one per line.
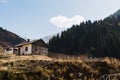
x=39, y=50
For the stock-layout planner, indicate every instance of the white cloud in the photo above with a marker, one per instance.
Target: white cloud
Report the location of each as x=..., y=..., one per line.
x=3, y=1
x=65, y=22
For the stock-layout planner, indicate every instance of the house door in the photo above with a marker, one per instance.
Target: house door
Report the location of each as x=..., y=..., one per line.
x=18, y=51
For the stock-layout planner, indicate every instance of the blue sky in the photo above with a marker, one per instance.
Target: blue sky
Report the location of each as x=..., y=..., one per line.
x=35, y=19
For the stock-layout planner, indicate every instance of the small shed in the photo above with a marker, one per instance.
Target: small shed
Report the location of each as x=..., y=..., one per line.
x=11, y=50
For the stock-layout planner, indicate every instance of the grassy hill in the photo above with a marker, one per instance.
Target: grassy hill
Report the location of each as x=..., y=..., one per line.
x=8, y=39
x=37, y=67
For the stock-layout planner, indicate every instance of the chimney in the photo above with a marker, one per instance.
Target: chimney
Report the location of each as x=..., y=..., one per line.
x=28, y=40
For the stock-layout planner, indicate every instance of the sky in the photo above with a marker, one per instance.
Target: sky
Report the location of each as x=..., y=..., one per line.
x=35, y=19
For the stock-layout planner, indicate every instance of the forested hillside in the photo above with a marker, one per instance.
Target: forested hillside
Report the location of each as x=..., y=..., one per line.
x=99, y=38
x=8, y=38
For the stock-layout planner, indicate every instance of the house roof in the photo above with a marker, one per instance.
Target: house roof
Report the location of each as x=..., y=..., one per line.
x=31, y=42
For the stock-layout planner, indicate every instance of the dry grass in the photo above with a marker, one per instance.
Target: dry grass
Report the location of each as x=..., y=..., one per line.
x=51, y=57
x=59, y=66
x=12, y=57
x=6, y=59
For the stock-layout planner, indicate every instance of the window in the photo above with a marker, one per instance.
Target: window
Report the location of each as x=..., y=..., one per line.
x=7, y=49
x=26, y=48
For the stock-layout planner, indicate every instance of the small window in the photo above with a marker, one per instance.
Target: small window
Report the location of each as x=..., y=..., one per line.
x=7, y=49
x=26, y=48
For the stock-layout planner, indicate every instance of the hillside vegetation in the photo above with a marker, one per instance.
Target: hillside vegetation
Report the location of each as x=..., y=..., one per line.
x=8, y=39
x=37, y=67
x=99, y=38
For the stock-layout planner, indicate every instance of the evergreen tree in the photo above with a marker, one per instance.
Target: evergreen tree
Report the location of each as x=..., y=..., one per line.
x=99, y=38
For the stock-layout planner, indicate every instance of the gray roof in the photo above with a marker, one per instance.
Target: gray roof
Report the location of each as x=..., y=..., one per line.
x=30, y=42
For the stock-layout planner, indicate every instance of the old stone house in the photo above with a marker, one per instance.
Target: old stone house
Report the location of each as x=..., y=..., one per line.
x=30, y=47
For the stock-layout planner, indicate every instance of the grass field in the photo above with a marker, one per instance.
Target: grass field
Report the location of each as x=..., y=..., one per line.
x=54, y=67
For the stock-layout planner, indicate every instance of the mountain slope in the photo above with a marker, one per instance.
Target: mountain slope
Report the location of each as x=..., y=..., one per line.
x=47, y=38
x=116, y=14
x=99, y=38
x=8, y=39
